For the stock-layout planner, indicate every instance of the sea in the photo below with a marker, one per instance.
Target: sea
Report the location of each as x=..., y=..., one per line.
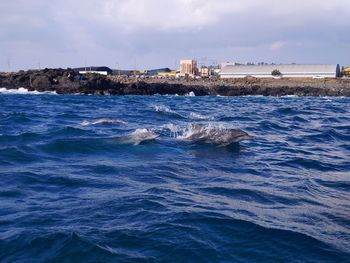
x=121, y=179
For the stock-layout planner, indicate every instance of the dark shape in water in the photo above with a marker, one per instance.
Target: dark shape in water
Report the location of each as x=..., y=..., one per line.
x=137, y=137
x=213, y=135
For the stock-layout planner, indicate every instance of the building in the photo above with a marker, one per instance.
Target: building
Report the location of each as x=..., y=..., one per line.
x=204, y=72
x=94, y=70
x=154, y=72
x=287, y=71
x=170, y=74
x=346, y=72
x=188, y=67
x=123, y=72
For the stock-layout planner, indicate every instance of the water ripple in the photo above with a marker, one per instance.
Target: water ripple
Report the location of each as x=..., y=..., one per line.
x=77, y=193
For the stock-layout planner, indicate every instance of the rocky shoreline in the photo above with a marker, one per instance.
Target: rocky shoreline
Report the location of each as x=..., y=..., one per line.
x=67, y=81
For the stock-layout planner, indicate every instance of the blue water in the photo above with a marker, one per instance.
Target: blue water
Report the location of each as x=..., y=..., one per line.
x=79, y=193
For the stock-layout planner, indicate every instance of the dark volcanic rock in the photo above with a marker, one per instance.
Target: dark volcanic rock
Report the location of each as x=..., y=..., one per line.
x=67, y=81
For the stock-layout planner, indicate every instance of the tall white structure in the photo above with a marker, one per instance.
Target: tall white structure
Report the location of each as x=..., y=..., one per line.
x=287, y=71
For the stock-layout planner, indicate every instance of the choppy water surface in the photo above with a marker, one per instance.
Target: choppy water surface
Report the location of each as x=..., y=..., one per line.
x=112, y=179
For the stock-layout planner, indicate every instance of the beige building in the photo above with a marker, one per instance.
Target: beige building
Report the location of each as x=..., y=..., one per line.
x=204, y=72
x=188, y=67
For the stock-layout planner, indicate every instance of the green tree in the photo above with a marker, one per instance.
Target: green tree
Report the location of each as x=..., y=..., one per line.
x=276, y=73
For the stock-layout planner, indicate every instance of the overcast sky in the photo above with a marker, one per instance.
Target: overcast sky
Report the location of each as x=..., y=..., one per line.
x=157, y=33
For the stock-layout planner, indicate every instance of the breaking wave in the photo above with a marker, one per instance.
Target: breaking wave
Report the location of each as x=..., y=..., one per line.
x=102, y=121
x=25, y=91
x=190, y=94
x=168, y=111
x=162, y=109
x=198, y=116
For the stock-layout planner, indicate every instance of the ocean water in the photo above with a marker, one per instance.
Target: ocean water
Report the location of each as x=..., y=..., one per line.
x=113, y=179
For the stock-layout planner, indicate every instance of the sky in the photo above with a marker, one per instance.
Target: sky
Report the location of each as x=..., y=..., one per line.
x=146, y=34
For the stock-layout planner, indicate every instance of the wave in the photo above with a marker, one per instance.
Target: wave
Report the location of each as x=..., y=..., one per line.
x=25, y=137
x=162, y=109
x=193, y=115
x=102, y=121
x=25, y=91
x=198, y=116
x=83, y=146
x=137, y=137
x=190, y=94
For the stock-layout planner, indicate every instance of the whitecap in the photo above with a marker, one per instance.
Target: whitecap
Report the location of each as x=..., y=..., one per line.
x=198, y=116
x=191, y=94
x=166, y=111
x=163, y=108
x=102, y=121
x=174, y=129
x=25, y=91
x=290, y=96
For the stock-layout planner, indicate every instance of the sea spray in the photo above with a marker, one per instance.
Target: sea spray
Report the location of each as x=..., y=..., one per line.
x=198, y=116
x=23, y=91
x=103, y=121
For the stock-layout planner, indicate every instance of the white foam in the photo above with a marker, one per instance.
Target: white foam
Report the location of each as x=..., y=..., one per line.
x=191, y=94
x=198, y=116
x=163, y=108
x=25, y=91
x=174, y=129
x=166, y=110
x=102, y=121
x=290, y=96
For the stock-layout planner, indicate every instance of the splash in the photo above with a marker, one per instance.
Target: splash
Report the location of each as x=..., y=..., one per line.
x=197, y=116
x=168, y=111
x=191, y=94
x=102, y=121
x=25, y=91
x=162, y=109
x=175, y=130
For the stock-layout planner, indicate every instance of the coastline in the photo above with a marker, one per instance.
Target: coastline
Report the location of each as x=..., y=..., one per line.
x=67, y=81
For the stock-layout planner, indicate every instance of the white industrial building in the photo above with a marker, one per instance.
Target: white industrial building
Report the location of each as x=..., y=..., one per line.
x=94, y=70
x=288, y=71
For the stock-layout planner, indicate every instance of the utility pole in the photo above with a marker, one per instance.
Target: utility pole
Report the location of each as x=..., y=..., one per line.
x=118, y=71
x=9, y=64
x=135, y=69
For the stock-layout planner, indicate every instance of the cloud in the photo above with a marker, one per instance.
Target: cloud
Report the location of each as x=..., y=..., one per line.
x=169, y=15
x=159, y=32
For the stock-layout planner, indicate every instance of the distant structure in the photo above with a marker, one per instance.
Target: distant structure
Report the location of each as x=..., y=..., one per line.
x=94, y=70
x=171, y=74
x=188, y=67
x=204, y=72
x=154, y=72
x=272, y=71
x=346, y=72
x=123, y=72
